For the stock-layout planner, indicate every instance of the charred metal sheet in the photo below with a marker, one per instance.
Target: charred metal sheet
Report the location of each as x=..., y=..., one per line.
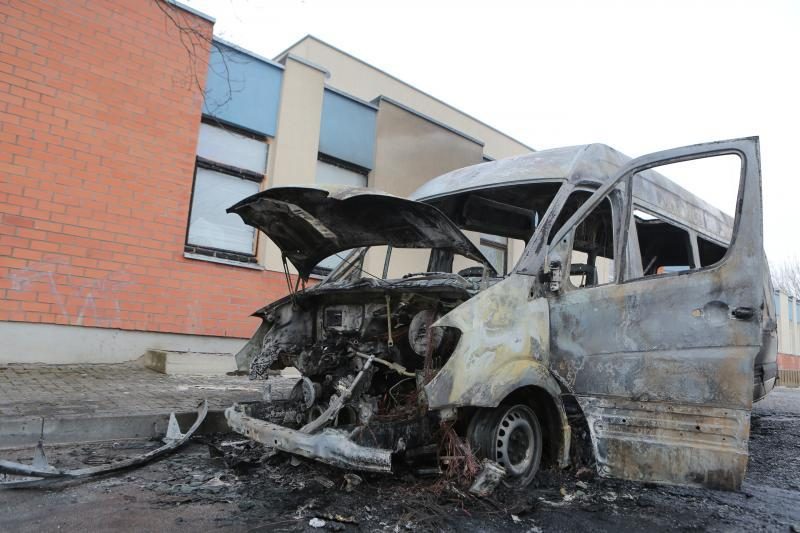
x=662, y=442
x=311, y=223
x=591, y=163
x=329, y=446
x=505, y=334
x=673, y=342
x=504, y=346
x=173, y=440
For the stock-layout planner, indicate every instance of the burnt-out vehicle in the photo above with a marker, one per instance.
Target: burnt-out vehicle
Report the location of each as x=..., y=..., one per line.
x=634, y=308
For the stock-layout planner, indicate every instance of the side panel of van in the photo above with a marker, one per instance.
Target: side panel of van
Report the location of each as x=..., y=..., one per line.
x=662, y=366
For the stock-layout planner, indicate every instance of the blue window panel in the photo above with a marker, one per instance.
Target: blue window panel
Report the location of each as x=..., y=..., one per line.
x=777, y=298
x=243, y=90
x=791, y=310
x=347, y=130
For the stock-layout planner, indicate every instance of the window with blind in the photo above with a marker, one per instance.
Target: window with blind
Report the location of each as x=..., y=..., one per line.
x=230, y=166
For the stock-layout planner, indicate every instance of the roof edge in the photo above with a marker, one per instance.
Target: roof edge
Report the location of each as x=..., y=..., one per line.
x=193, y=11
x=432, y=120
x=306, y=62
x=298, y=41
x=349, y=96
x=247, y=52
x=351, y=56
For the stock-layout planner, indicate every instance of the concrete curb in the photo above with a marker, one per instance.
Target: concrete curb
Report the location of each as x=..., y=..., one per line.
x=24, y=431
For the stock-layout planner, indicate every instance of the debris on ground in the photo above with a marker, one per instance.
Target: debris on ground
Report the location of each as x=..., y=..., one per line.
x=488, y=479
x=351, y=481
x=41, y=473
x=197, y=490
x=457, y=457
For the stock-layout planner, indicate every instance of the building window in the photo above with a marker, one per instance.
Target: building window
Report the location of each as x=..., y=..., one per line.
x=334, y=172
x=230, y=166
x=495, y=249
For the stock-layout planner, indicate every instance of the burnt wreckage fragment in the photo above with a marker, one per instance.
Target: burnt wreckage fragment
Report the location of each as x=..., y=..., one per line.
x=363, y=362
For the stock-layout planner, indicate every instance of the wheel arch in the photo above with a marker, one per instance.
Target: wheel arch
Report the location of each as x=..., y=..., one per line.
x=556, y=431
x=526, y=381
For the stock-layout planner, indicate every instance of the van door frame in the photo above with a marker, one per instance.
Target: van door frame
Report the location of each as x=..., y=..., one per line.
x=662, y=366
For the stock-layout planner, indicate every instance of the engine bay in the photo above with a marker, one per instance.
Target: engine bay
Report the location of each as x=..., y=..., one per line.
x=363, y=354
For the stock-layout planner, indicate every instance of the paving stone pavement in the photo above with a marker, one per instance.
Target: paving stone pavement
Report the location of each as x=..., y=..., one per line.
x=113, y=389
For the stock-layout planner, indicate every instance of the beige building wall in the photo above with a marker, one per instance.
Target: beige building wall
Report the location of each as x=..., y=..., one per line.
x=293, y=152
x=788, y=330
x=360, y=79
x=418, y=137
x=411, y=149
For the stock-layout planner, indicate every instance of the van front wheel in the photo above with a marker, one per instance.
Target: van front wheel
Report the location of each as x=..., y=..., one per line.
x=511, y=436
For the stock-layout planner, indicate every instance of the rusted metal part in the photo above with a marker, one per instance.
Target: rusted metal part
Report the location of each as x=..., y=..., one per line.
x=328, y=446
x=400, y=369
x=505, y=334
x=338, y=401
x=49, y=475
x=661, y=442
x=488, y=479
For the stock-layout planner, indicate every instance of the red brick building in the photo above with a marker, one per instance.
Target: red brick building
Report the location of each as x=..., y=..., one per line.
x=99, y=117
x=101, y=105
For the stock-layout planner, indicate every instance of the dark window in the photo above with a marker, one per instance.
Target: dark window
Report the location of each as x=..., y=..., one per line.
x=710, y=252
x=592, y=257
x=664, y=247
x=592, y=260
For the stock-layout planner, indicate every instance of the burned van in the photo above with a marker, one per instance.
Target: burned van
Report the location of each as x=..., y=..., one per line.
x=504, y=302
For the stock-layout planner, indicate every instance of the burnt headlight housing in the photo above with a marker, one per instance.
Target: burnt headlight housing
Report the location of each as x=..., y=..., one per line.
x=428, y=340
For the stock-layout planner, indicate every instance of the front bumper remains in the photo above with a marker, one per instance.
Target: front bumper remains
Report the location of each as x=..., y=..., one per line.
x=330, y=446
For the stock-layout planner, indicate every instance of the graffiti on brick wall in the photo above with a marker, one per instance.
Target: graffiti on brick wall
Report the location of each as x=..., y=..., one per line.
x=77, y=300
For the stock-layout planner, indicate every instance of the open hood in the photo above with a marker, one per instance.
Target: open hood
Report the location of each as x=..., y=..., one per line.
x=311, y=223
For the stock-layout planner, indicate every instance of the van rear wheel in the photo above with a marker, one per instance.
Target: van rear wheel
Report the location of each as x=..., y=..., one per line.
x=511, y=436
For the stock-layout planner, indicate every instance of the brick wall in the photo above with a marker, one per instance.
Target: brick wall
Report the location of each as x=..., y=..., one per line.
x=99, y=115
x=788, y=362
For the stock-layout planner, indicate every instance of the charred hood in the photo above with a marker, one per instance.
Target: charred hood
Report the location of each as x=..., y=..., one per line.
x=309, y=224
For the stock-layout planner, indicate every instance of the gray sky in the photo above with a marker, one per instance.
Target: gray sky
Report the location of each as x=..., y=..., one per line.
x=639, y=76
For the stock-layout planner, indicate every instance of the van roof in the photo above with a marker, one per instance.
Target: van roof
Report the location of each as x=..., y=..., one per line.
x=589, y=163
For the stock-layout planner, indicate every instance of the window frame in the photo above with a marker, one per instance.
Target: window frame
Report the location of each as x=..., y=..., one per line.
x=692, y=243
x=212, y=252
x=352, y=167
x=657, y=160
x=616, y=199
x=482, y=241
x=747, y=151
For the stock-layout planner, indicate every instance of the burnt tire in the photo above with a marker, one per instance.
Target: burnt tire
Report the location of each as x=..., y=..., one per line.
x=511, y=436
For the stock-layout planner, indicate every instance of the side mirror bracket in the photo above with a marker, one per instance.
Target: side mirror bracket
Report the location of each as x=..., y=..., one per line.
x=554, y=282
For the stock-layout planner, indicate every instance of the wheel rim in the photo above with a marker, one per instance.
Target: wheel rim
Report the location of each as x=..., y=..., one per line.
x=515, y=443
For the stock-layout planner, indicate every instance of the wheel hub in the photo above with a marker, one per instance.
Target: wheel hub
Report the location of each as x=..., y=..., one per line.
x=515, y=442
